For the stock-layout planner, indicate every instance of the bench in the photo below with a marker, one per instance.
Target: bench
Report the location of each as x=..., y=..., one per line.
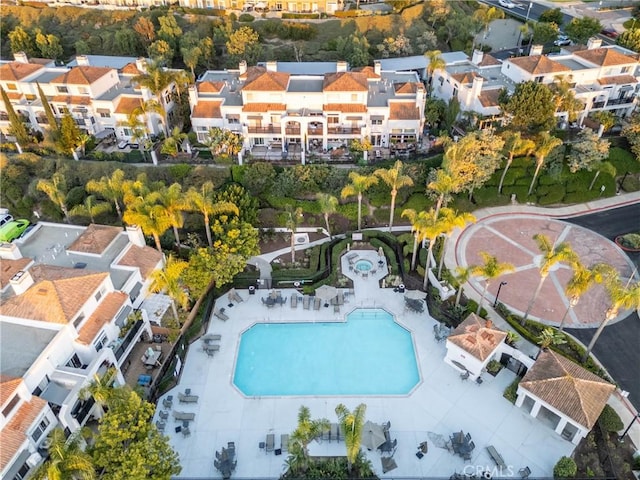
x=182, y=398
x=497, y=458
x=184, y=416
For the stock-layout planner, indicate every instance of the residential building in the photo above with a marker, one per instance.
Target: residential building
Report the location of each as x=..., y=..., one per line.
x=101, y=99
x=67, y=295
x=602, y=78
x=286, y=104
x=294, y=6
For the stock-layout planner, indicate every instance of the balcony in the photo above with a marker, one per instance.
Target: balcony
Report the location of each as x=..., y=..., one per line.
x=344, y=130
x=81, y=410
x=126, y=341
x=292, y=130
x=598, y=104
x=316, y=131
x=621, y=101
x=269, y=129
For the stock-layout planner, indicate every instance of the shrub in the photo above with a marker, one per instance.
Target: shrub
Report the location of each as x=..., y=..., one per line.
x=554, y=194
x=513, y=174
x=565, y=468
x=472, y=307
x=519, y=191
x=246, y=17
x=418, y=202
x=610, y=420
x=511, y=392
x=630, y=240
x=623, y=160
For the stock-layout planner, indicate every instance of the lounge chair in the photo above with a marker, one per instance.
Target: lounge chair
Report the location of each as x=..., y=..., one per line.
x=306, y=302
x=186, y=432
x=284, y=442
x=184, y=415
x=294, y=301
x=340, y=298
x=317, y=303
x=237, y=297
x=270, y=442
x=221, y=315
x=336, y=308
x=211, y=348
x=182, y=398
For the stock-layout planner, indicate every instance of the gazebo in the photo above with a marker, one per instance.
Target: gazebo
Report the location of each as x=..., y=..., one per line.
x=473, y=344
x=563, y=395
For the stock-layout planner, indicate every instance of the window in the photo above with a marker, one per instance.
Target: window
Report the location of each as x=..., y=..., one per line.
x=99, y=344
x=40, y=429
x=74, y=362
x=22, y=473
x=7, y=410
x=233, y=119
x=78, y=320
x=625, y=69
x=201, y=129
x=354, y=97
x=376, y=121
x=167, y=97
x=105, y=114
x=332, y=119
x=30, y=97
x=62, y=89
x=41, y=386
x=126, y=132
x=83, y=90
x=455, y=91
x=99, y=294
x=12, y=86
x=539, y=79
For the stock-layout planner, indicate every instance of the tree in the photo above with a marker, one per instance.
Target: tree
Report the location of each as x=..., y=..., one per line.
x=90, y=208
x=357, y=147
x=21, y=41
x=103, y=389
x=127, y=42
x=328, y=205
x=552, y=15
x=56, y=190
x=487, y=14
x=551, y=254
x=451, y=113
x=434, y=111
x=354, y=49
x=531, y=107
x=605, y=118
x=631, y=132
x=623, y=296
x=565, y=468
x=51, y=118
x=442, y=184
x=128, y=445
x=110, y=188
x=144, y=110
x=565, y=99
x=462, y=276
x=436, y=62
x=588, y=153
x=173, y=143
x=451, y=220
x=169, y=30
x=395, y=47
x=490, y=270
x=191, y=57
x=579, y=30
x=149, y=215
x=157, y=79
x=17, y=127
x=232, y=143
x=168, y=280
x=352, y=424
x=175, y=203
x=549, y=337
x=293, y=219
x=359, y=184
x=67, y=460
x=420, y=222
x=545, y=144
x=581, y=281
x=201, y=200
x=395, y=178
x=161, y=52
x=514, y=145
x=49, y=45
x=244, y=44
x=68, y=140
x=145, y=29
x=630, y=39
x=307, y=430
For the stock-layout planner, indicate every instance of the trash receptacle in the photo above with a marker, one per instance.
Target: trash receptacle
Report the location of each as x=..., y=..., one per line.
x=252, y=290
x=401, y=288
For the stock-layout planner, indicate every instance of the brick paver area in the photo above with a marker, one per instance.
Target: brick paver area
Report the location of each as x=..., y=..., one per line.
x=510, y=238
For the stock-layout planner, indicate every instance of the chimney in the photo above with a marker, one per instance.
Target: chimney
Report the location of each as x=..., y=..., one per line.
x=341, y=66
x=535, y=50
x=82, y=60
x=594, y=42
x=377, y=68
x=488, y=324
x=21, y=57
x=243, y=67
x=136, y=236
x=10, y=251
x=272, y=66
x=476, y=88
x=477, y=57
x=21, y=282
x=193, y=95
x=141, y=64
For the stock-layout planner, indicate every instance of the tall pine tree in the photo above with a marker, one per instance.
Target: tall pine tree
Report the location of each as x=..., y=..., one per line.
x=18, y=129
x=51, y=118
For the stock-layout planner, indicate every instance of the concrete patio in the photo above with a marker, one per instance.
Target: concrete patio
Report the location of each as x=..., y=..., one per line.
x=441, y=403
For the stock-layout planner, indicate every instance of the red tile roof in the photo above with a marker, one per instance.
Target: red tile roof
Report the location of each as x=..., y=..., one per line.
x=617, y=80
x=8, y=386
x=267, y=82
x=210, y=87
x=207, y=109
x=489, y=61
x=127, y=105
x=8, y=268
x=605, y=57
x=14, y=433
x=15, y=71
x=465, y=77
x=83, y=75
x=489, y=98
x=264, y=107
x=130, y=69
x=404, y=88
x=102, y=315
x=403, y=111
x=345, y=82
x=539, y=64
x=345, y=107
x=477, y=336
x=95, y=239
x=145, y=258
x=72, y=100
x=368, y=72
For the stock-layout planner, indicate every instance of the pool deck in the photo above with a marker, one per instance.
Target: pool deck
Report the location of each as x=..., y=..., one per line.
x=441, y=403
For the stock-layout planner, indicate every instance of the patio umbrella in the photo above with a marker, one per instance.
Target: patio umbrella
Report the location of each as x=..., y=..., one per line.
x=372, y=435
x=415, y=295
x=230, y=294
x=459, y=365
x=380, y=252
x=326, y=292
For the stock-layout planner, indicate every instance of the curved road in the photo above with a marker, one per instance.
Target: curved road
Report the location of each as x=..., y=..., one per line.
x=617, y=348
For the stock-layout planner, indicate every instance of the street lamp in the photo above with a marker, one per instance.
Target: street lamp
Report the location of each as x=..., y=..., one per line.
x=621, y=437
x=498, y=293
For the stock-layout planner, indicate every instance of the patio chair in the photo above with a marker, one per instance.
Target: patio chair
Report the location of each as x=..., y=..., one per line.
x=388, y=464
x=186, y=432
x=220, y=314
x=306, y=302
x=270, y=442
x=524, y=472
x=336, y=308
x=340, y=298
x=387, y=426
x=472, y=446
x=464, y=375
x=160, y=425
x=284, y=442
x=168, y=402
x=468, y=437
x=163, y=415
x=218, y=455
x=294, y=301
x=317, y=303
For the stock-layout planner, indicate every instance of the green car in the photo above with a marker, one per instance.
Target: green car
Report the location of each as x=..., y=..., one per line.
x=12, y=230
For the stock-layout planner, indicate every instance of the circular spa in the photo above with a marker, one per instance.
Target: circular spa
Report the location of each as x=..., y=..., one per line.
x=337, y=358
x=363, y=265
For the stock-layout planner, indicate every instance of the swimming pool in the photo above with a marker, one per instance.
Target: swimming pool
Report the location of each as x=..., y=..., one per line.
x=369, y=354
x=364, y=265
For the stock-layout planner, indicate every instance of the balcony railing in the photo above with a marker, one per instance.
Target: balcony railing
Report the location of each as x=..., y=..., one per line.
x=344, y=130
x=314, y=131
x=598, y=104
x=129, y=337
x=81, y=412
x=621, y=101
x=268, y=129
x=292, y=130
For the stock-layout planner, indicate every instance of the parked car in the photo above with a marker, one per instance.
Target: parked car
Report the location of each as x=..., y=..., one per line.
x=609, y=32
x=507, y=4
x=562, y=41
x=12, y=230
x=5, y=216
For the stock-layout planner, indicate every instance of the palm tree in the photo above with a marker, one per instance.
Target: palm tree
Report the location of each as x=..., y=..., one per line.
x=157, y=79
x=168, y=280
x=328, y=206
x=56, y=190
x=436, y=62
x=462, y=276
x=450, y=221
x=90, y=208
x=110, y=188
x=515, y=145
x=150, y=216
x=103, y=389
x=294, y=218
x=544, y=146
x=490, y=269
x=232, y=143
x=420, y=221
x=487, y=14
x=307, y=430
x=359, y=184
x=582, y=280
x=395, y=180
x=215, y=140
x=201, y=200
x=174, y=201
x=622, y=296
x=352, y=424
x=551, y=254
x=67, y=460
x=172, y=144
x=443, y=185
x=145, y=109
x=83, y=139
x=549, y=337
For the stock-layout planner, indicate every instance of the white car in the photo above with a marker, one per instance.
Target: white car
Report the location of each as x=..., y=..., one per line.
x=507, y=4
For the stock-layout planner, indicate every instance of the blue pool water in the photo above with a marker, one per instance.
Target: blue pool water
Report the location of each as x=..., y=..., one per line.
x=363, y=265
x=369, y=354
